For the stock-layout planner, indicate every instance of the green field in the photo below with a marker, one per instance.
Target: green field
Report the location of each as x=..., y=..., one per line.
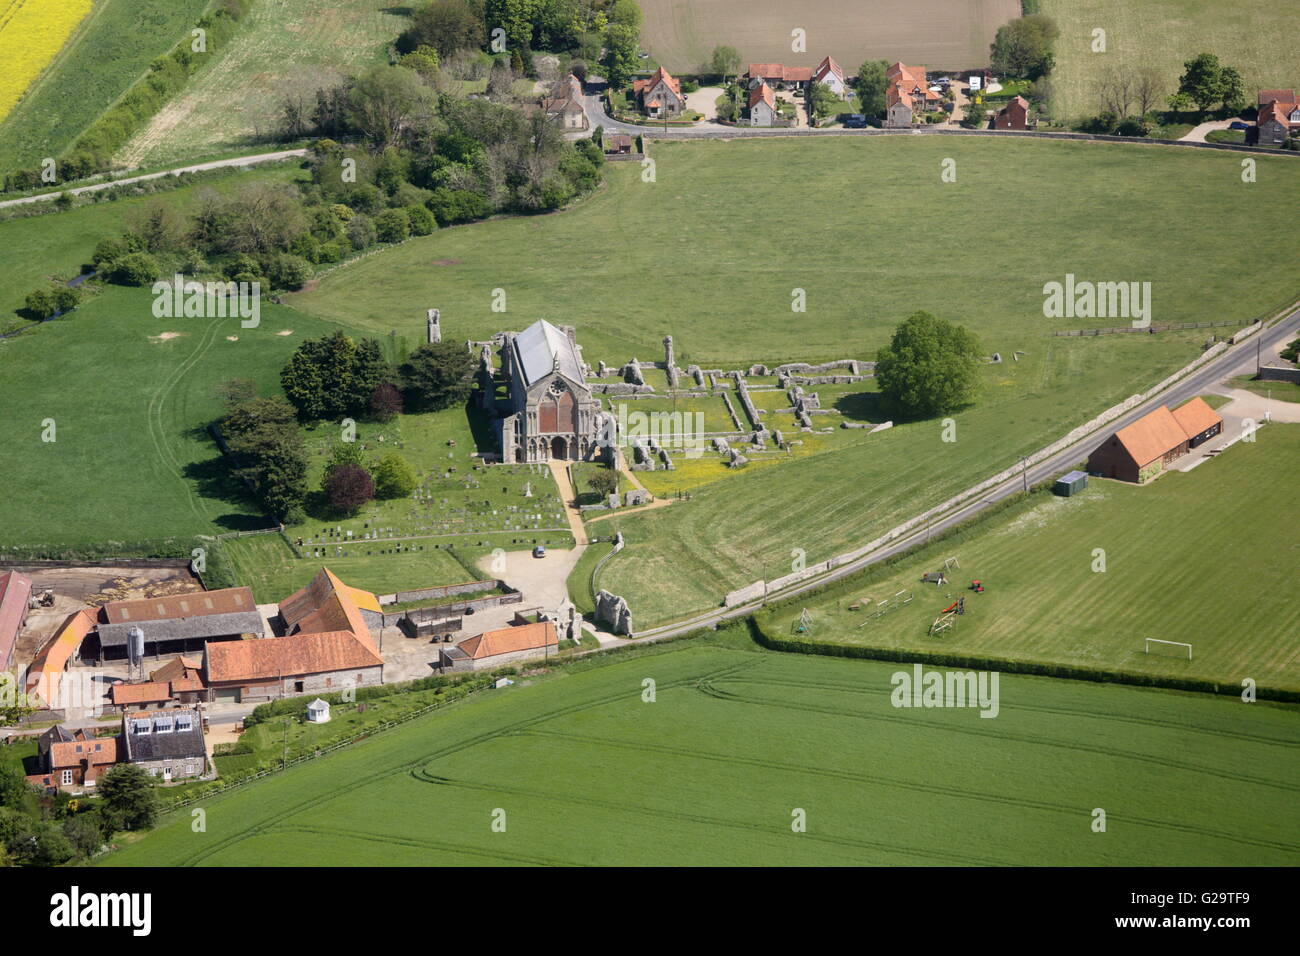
x=1255, y=36
x=1206, y=557
x=284, y=48
x=55, y=245
x=130, y=459
x=711, y=251
x=737, y=740
x=109, y=50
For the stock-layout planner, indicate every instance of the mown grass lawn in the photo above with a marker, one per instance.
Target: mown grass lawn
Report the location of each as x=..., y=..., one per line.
x=1255, y=36
x=1207, y=557
x=105, y=54
x=737, y=741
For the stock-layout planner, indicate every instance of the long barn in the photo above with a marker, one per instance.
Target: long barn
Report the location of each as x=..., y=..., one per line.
x=1142, y=450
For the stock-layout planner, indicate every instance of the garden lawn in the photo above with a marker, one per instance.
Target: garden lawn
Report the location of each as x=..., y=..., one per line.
x=582, y=771
x=1207, y=557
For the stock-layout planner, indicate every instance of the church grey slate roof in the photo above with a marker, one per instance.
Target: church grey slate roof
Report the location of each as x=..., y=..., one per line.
x=541, y=348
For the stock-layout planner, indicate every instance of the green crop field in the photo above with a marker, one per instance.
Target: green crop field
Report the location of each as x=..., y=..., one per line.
x=1207, y=556
x=942, y=34
x=1255, y=36
x=109, y=50
x=284, y=48
x=581, y=771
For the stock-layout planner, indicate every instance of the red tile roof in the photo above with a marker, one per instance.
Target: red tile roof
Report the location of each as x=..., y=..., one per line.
x=660, y=74
x=192, y=604
x=1275, y=110
x=98, y=750
x=825, y=67
x=46, y=671
x=1151, y=436
x=149, y=692
x=762, y=92
x=1281, y=96
x=779, y=73
x=507, y=640
x=15, y=592
x=297, y=655
x=1196, y=417
x=327, y=604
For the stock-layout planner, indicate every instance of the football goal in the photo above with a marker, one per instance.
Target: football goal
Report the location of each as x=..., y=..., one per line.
x=1156, y=640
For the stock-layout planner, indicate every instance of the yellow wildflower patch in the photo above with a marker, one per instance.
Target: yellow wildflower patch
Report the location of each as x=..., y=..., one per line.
x=31, y=33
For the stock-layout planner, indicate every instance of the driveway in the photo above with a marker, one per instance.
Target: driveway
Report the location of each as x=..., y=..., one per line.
x=1197, y=135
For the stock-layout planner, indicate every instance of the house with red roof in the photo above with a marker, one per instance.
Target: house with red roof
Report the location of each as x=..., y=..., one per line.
x=830, y=75
x=1142, y=450
x=908, y=96
x=564, y=103
x=660, y=95
x=522, y=640
x=762, y=106
x=1278, y=119
x=15, y=600
x=72, y=759
x=1015, y=115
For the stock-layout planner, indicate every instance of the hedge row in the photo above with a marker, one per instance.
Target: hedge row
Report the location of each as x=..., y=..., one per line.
x=93, y=150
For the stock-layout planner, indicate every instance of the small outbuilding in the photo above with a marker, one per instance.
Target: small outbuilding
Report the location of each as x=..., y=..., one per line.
x=1070, y=484
x=318, y=712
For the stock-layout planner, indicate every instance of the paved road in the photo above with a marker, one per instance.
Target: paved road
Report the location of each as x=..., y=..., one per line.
x=200, y=167
x=1237, y=360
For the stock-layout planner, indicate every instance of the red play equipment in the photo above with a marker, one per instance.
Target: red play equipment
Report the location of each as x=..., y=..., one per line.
x=977, y=586
x=958, y=605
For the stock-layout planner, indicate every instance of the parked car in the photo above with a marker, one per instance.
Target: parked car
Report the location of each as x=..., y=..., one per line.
x=1238, y=124
x=539, y=552
x=856, y=121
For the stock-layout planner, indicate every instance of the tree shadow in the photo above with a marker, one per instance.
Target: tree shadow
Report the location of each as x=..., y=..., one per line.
x=862, y=407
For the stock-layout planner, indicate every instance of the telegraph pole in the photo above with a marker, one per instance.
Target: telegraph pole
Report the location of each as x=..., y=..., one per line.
x=1024, y=471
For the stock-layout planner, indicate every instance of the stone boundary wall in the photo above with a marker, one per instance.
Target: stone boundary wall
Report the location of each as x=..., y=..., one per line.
x=758, y=588
x=447, y=590
x=742, y=392
x=1280, y=373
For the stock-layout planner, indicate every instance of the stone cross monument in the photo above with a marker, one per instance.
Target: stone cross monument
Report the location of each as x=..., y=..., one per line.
x=435, y=329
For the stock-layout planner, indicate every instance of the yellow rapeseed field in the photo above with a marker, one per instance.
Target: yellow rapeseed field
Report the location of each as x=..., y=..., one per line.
x=31, y=32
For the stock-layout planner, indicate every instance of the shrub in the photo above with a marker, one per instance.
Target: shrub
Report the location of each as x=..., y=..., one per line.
x=394, y=477
x=361, y=231
x=393, y=225
x=40, y=304
x=134, y=268
x=422, y=221
x=348, y=487
x=288, y=271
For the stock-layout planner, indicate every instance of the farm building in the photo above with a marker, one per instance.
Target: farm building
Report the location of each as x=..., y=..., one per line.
x=762, y=106
x=327, y=647
x=908, y=96
x=45, y=674
x=502, y=646
x=617, y=144
x=184, y=677
x=143, y=695
x=1015, y=115
x=177, y=624
x=551, y=411
x=72, y=759
x=167, y=744
x=15, y=593
x=778, y=76
x=659, y=96
x=1142, y=450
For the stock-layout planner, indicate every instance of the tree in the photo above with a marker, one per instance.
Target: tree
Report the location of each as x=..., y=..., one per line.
x=930, y=366
x=128, y=793
x=13, y=786
x=333, y=376
x=604, y=482
x=1232, y=90
x=822, y=101
x=385, y=402
x=1201, y=81
x=288, y=271
x=393, y=225
x=348, y=487
x=438, y=375
x=1115, y=91
x=268, y=453
x=385, y=102
x=872, y=84
x=40, y=843
x=85, y=832
x=134, y=268
x=423, y=60
x=725, y=61
x=1148, y=89
x=1023, y=47
x=620, y=59
x=159, y=225
x=40, y=304
x=394, y=477
x=445, y=25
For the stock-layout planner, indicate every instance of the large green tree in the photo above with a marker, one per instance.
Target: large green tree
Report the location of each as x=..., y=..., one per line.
x=333, y=376
x=930, y=367
x=1023, y=47
x=268, y=453
x=871, y=85
x=1205, y=82
x=622, y=40
x=725, y=62
x=129, y=796
x=445, y=25
x=437, y=375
